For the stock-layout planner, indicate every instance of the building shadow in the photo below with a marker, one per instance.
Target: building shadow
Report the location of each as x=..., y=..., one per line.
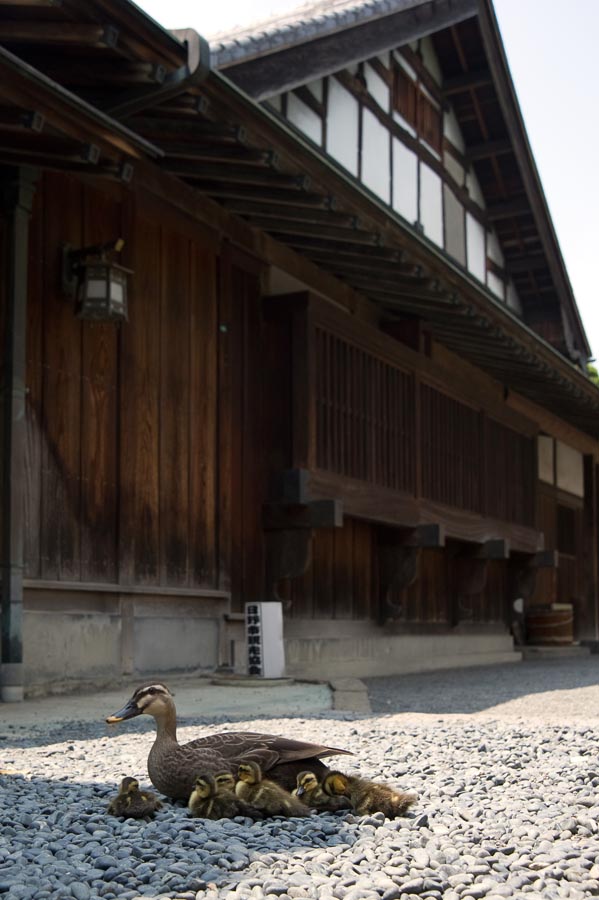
x=480, y=688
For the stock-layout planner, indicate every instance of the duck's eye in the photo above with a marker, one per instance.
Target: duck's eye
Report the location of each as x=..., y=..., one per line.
x=152, y=691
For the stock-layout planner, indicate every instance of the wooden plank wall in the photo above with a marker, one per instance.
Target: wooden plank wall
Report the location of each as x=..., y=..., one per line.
x=122, y=420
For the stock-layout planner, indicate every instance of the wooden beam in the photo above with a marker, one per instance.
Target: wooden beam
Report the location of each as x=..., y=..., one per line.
x=236, y=173
x=467, y=81
x=487, y=149
x=518, y=264
x=509, y=209
x=195, y=131
x=287, y=229
x=58, y=34
x=313, y=514
x=262, y=207
x=280, y=196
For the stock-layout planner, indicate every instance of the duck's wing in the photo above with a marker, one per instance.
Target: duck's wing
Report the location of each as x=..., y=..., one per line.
x=267, y=750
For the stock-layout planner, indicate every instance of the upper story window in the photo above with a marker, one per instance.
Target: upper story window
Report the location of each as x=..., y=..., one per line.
x=413, y=105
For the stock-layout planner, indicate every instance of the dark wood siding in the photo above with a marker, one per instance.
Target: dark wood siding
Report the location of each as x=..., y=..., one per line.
x=365, y=414
x=122, y=423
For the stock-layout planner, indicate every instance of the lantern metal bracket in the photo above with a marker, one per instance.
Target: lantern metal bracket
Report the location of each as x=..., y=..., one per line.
x=72, y=260
x=96, y=282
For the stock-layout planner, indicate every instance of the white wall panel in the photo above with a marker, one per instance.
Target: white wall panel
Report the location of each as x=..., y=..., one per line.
x=304, y=118
x=405, y=181
x=342, y=126
x=452, y=130
x=377, y=87
x=474, y=189
x=430, y=60
x=475, y=248
x=494, y=251
x=569, y=469
x=512, y=298
x=546, y=457
x=431, y=204
x=376, y=152
x=315, y=87
x=496, y=285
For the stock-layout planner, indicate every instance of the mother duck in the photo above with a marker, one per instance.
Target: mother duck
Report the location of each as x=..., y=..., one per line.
x=174, y=767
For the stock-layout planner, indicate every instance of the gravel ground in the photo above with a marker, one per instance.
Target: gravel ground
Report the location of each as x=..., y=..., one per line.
x=504, y=761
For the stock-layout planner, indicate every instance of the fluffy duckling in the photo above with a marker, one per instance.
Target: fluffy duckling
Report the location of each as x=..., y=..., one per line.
x=312, y=794
x=133, y=803
x=267, y=796
x=213, y=798
x=367, y=796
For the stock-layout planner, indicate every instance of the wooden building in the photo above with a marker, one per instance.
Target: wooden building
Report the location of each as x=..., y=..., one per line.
x=352, y=372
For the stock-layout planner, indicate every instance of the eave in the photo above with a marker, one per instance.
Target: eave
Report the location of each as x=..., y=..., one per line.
x=251, y=162
x=41, y=123
x=477, y=83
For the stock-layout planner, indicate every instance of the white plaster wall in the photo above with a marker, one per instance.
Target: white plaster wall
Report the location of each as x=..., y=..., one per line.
x=452, y=130
x=316, y=88
x=569, y=469
x=405, y=181
x=376, y=153
x=512, y=298
x=275, y=102
x=474, y=189
x=475, y=248
x=342, y=126
x=377, y=87
x=304, y=118
x=496, y=285
x=430, y=60
x=545, y=458
x=494, y=251
x=431, y=204
x=454, y=168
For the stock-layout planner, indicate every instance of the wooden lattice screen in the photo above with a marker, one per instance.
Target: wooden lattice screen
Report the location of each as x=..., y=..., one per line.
x=365, y=415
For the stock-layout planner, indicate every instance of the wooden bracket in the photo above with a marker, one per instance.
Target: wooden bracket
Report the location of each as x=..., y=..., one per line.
x=287, y=555
x=314, y=514
x=292, y=486
x=399, y=553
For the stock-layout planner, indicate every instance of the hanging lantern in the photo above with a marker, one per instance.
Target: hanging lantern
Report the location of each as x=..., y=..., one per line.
x=98, y=284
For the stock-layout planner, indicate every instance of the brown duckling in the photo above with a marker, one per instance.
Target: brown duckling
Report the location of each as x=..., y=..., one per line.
x=368, y=796
x=213, y=800
x=173, y=767
x=270, y=798
x=133, y=803
x=312, y=794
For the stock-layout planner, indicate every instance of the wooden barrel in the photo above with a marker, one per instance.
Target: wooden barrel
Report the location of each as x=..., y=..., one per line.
x=550, y=625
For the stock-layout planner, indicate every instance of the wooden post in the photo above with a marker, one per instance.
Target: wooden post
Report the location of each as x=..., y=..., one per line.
x=589, y=626
x=16, y=190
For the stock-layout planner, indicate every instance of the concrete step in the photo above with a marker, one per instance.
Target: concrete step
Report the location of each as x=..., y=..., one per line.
x=549, y=651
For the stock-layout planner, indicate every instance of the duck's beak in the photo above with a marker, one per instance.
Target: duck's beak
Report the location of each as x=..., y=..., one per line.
x=300, y=790
x=128, y=711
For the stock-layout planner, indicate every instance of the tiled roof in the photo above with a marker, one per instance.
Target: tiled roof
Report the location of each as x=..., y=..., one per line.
x=306, y=22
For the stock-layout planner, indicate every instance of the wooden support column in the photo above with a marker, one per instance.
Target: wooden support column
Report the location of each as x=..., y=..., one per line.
x=288, y=531
x=399, y=552
x=470, y=568
x=589, y=624
x=17, y=188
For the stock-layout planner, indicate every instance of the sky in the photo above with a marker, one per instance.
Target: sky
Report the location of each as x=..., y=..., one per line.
x=552, y=52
